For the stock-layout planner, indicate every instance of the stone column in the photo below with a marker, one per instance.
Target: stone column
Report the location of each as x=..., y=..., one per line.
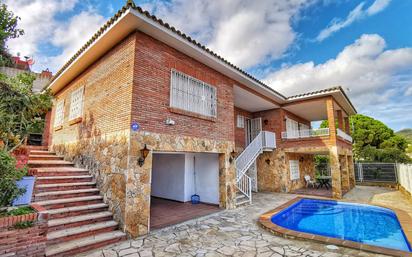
x=227, y=182
x=351, y=171
x=333, y=151
x=138, y=186
x=344, y=173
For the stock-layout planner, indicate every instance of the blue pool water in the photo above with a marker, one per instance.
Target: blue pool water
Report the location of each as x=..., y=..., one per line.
x=356, y=222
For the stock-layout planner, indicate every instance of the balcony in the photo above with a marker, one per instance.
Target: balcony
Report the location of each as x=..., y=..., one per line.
x=344, y=136
x=305, y=133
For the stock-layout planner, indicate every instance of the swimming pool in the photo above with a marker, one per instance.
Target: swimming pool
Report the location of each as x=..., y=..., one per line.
x=361, y=223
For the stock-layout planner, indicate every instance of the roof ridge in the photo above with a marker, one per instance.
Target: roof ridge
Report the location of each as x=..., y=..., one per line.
x=131, y=5
x=325, y=90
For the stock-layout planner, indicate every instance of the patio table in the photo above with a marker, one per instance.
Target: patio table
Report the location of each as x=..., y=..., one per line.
x=323, y=182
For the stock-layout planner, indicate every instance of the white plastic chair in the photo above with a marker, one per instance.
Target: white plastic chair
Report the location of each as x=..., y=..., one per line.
x=309, y=181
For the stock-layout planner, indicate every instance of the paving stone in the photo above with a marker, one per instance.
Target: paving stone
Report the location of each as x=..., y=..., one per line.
x=228, y=233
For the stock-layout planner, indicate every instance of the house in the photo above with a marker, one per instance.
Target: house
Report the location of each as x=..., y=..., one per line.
x=151, y=112
x=20, y=66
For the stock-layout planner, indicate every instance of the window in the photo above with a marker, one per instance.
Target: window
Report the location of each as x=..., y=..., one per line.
x=59, y=114
x=304, y=130
x=76, y=104
x=294, y=169
x=240, y=121
x=192, y=95
x=292, y=128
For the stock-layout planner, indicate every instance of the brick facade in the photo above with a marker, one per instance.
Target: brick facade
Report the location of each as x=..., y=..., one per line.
x=151, y=92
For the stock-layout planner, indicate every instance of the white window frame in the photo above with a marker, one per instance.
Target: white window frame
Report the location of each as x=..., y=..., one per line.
x=294, y=169
x=192, y=95
x=76, y=103
x=59, y=114
x=292, y=128
x=240, y=121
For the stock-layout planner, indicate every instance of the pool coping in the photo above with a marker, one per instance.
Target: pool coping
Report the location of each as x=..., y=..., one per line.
x=404, y=219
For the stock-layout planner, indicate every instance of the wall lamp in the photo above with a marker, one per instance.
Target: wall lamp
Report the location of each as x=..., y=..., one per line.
x=232, y=156
x=143, y=154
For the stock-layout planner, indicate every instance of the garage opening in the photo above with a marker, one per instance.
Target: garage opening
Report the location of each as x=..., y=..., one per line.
x=176, y=177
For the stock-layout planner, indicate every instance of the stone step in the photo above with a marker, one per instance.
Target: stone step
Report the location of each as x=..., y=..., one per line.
x=84, y=244
x=80, y=220
x=64, y=186
x=41, y=152
x=241, y=199
x=38, y=147
x=76, y=210
x=35, y=157
x=63, y=179
x=79, y=232
x=49, y=195
x=48, y=163
x=70, y=202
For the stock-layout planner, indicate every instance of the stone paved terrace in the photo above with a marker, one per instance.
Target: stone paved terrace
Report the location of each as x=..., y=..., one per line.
x=236, y=233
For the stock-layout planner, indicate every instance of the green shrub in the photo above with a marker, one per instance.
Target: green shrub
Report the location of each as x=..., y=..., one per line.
x=23, y=224
x=9, y=174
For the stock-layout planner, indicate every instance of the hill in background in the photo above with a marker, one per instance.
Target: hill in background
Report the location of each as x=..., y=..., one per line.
x=407, y=133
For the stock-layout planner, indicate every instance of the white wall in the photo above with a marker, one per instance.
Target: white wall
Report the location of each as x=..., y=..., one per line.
x=206, y=166
x=170, y=182
x=168, y=176
x=405, y=176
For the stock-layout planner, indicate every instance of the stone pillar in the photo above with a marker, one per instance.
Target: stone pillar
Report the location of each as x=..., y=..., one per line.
x=340, y=119
x=344, y=173
x=138, y=186
x=335, y=172
x=227, y=182
x=351, y=171
x=333, y=151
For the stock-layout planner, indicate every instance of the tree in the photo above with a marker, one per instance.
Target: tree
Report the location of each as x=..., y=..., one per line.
x=374, y=141
x=8, y=30
x=21, y=110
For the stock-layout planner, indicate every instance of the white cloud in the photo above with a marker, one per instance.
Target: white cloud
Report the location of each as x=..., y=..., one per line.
x=73, y=35
x=43, y=29
x=408, y=91
x=37, y=20
x=244, y=32
x=356, y=14
x=377, y=6
x=364, y=67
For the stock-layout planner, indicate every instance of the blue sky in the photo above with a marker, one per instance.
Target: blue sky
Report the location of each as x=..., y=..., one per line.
x=293, y=45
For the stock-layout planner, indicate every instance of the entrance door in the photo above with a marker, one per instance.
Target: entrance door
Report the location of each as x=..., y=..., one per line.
x=253, y=128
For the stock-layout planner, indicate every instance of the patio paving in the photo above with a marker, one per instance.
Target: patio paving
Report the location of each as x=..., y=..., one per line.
x=227, y=233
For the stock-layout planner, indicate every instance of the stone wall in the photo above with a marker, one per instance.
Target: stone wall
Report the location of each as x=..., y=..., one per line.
x=106, y=158
x=113, y=160
x=274, y=172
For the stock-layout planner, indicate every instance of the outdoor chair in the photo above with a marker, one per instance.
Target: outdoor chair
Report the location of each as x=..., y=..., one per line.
x=309, y=181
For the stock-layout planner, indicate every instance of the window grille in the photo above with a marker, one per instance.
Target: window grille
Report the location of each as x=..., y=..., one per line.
x=76, y=104
x=294, y=169
x=240, y=121
x=59, y=114
x=193, y=95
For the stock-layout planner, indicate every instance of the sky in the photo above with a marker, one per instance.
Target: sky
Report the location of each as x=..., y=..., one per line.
x=294, y=46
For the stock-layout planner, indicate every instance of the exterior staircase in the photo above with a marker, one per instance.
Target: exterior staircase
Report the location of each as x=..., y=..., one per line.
x=264, y=141
x=79, y=220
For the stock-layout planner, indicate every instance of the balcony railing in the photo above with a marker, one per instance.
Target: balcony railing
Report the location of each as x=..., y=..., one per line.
x=344, y=135
x=305, y=133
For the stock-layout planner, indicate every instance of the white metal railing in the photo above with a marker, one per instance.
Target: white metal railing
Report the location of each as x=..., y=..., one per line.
x=405, y=176
x=305, y=133
x=344, y=135
x=264, y=140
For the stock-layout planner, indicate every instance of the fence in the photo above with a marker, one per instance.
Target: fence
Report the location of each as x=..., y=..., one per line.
x=405, y=176
x=376, y=172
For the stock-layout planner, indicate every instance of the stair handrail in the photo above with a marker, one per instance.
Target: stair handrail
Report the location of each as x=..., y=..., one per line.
x=244, y=160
